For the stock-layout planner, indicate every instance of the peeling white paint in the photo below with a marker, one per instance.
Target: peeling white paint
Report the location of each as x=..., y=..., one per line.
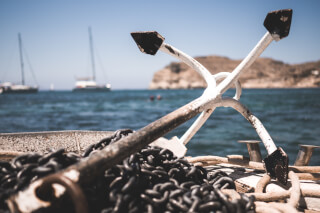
x=255, y=122
x=72, y=175
x=58, y=189
x=27, y=200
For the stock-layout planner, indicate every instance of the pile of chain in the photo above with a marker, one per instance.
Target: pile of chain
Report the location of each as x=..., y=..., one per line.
x=152, y=180
x=24, y=169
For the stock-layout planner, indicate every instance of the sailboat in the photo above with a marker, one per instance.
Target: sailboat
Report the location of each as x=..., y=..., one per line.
x=89, y=84
x=8, y=87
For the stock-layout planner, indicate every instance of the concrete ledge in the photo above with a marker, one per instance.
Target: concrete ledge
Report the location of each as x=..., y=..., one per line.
x=72, y=141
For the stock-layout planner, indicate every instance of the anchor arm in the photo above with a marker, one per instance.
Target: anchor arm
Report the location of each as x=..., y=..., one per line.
x=276, y=163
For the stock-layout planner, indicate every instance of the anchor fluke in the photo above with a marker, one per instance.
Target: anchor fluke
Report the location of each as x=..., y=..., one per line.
x=277, y=165
x=148, y=42
x=278, y=23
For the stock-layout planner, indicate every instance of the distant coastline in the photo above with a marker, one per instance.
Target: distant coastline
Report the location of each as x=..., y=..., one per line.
x=263, y=74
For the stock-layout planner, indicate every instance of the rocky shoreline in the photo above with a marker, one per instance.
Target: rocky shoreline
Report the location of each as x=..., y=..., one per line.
x=264, y=73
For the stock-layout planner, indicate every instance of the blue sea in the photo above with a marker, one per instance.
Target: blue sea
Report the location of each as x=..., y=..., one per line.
x=291, y=116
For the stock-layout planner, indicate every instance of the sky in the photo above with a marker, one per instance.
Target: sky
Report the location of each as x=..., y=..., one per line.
x=55, y=36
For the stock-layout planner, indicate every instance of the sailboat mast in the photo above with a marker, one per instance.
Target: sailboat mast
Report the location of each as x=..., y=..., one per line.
x=21, y=58
x=92, y=55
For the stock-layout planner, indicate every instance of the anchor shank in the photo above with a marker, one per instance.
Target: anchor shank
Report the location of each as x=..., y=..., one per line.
x=251, y=57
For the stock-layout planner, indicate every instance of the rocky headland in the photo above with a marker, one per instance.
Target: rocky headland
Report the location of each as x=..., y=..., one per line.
x=263, y=73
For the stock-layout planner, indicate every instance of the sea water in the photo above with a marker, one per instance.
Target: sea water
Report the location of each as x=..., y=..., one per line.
x=291, y=116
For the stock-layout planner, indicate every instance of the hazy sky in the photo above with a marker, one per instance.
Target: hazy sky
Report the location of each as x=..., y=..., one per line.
x=55, y=36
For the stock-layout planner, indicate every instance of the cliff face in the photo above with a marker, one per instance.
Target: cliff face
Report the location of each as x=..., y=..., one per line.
x=264, y=73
